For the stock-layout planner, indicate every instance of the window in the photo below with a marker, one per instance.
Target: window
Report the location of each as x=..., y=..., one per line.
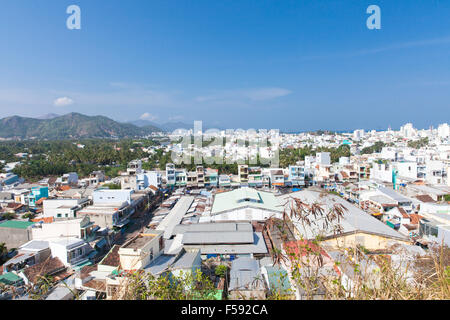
x=161, y=243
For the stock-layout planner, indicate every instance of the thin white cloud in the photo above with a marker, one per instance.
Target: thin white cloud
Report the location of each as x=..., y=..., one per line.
x=148, y=116
x=63, y=102
x=396, y=46
x=266, y=93
x=257, y=94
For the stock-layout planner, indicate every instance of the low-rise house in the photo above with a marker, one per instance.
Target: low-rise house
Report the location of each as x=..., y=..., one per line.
x=244, y=204
x=70, y=178
x=224, y=181
x=141, y=250
x=15, y=233
x=227, y=239
x=243, y=173
x=52, y=266
x=36, y=194
x=96, y=177
x=357, y=227
x=63, y=208
x=255, y=177
x=434, y=231
x=81, y=228
x=246, y=281
x=148, y=178
x=211, y=178
x=29, y=254
x=297, y=175
x=107, y=196
x=71, y=251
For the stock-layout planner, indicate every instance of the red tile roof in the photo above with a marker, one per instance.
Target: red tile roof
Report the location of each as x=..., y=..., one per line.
x=403, y=212
x=415, y=218
x=44, y=219
x=425, y=198
x=112, y=258
x=97, y=285
x=51, y=266
x=40, y=201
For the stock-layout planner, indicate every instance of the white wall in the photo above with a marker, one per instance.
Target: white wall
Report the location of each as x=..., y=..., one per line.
x=111, y=196
x=246, y=214
x=51, y=207
x=69, y=228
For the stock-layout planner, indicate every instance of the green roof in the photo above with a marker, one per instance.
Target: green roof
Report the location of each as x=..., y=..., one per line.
x=9, y=278
x=16, y=224
x=81, y=265
x=245, y=197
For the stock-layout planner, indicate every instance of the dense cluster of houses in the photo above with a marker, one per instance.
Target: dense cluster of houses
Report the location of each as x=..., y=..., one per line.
x=89, y=234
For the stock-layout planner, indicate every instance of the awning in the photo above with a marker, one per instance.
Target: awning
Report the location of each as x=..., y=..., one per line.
x=81, y=265
x=122, y=223
x=101, y=243
x=377, y=214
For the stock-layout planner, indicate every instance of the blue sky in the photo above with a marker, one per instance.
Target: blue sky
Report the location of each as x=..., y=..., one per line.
x=291, y=65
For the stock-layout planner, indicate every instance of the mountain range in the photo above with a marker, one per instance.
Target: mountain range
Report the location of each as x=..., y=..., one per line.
x=168, y=126
x=70, y=126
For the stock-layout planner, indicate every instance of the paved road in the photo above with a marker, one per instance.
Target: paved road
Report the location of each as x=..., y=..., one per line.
x=138, y=221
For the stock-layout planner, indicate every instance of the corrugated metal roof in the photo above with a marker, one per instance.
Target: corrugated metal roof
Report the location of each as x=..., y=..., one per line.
x=354, y=218
x=187, y=261
x=213, y=227
x=160, y=264
x=222, y=237
x=258, y=246
x=175, y=215
x=243, y=273
x=393, y=194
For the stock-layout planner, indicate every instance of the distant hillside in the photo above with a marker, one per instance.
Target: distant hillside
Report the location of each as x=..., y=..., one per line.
x=168, y=126
x=69, y=126
x=144, y=123
x=48, y=116
x=172, y=126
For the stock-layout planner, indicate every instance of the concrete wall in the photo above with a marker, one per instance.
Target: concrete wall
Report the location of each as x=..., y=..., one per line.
x=131, y=259
x=14, y=238
x=51, y=207
x=111, y=196
x=99, y=219
x=70, y=228
x=368, y=241
x=245, y=214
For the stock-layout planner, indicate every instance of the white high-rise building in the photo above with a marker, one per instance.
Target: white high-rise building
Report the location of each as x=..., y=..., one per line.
x=323, y=158
x=358, y=134
x=408, y=131
x=443, y=130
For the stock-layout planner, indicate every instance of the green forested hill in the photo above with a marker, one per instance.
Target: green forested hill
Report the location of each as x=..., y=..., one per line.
x=69, y=126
